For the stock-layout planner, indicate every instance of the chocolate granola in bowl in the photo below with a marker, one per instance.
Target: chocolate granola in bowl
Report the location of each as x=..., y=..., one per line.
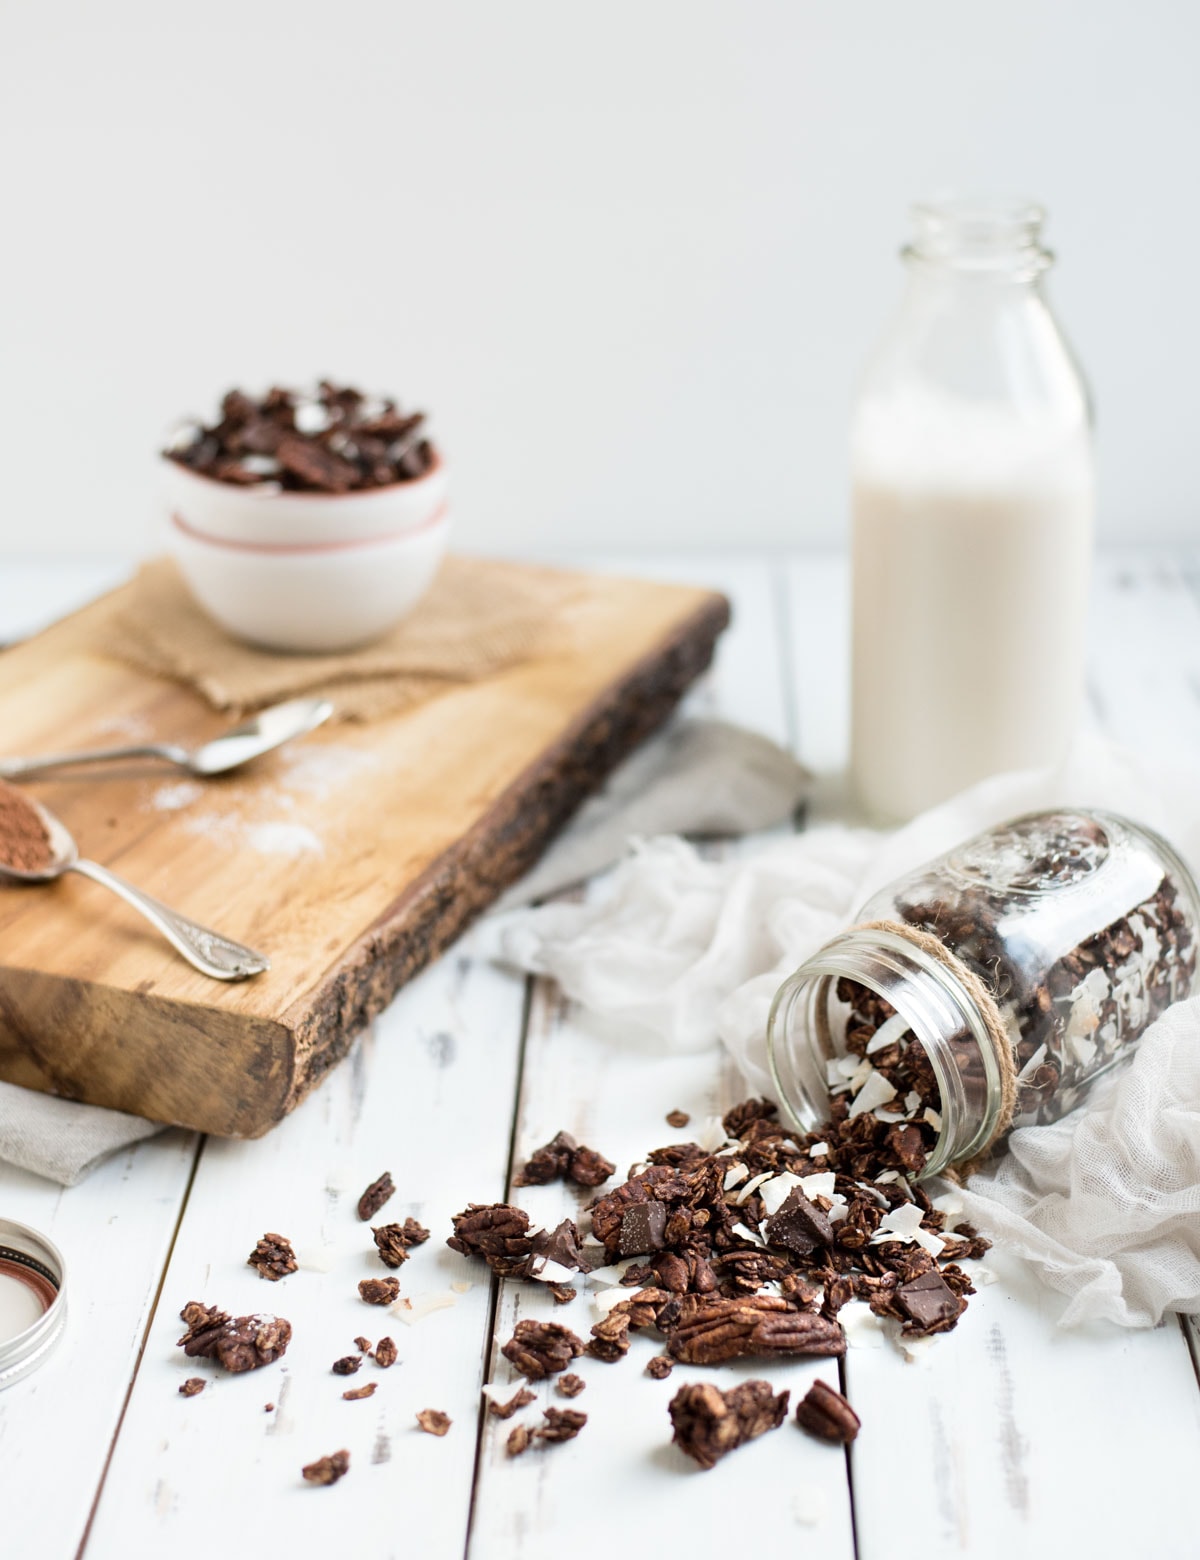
x=326, y=439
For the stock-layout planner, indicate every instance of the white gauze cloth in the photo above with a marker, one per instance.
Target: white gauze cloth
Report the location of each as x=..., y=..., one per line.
x=677, y=951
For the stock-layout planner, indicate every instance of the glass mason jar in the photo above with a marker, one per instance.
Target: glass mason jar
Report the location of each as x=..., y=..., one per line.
x=990, y=988
x=973, y=500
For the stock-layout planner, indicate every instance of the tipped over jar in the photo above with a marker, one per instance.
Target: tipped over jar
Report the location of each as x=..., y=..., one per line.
x=988, y=989
x=971, y=457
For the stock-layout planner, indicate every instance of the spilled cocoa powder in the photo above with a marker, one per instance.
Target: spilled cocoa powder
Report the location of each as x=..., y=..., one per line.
x=24, y=841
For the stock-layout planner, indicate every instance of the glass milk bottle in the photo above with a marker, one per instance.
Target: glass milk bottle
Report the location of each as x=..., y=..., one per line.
x=973, y=511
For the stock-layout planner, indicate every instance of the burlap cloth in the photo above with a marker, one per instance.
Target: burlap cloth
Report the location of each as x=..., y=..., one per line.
x=480, y=616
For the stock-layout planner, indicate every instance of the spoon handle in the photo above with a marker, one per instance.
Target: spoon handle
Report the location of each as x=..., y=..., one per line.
x=20, y=768
x=208, y=951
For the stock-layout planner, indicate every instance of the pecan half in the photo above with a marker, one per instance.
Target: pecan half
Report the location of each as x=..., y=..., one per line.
x=825, y=1413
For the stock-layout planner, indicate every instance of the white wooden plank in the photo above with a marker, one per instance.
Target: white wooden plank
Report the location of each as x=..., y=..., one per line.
x=1144, y=654
x=114, y=1231
x=622, y=1469
x=615, y=1098
x=428, y=1096
x=817, y=619
x=1013, y=1436
x=744, y=684
x=34, y=592
x=989, y=1444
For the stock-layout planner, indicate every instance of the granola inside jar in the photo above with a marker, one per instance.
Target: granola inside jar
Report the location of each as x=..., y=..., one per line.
x=990, y=988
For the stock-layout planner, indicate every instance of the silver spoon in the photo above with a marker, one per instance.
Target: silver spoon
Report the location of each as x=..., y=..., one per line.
x=270, y=728
x=208, y=951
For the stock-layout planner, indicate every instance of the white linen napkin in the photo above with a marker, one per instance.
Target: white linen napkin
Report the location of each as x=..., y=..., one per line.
x=679, y=951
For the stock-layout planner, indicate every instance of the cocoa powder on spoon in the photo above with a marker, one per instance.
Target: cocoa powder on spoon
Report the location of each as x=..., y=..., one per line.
x=24, y=840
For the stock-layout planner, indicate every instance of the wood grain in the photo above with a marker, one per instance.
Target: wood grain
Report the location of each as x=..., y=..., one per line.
x=412, y=827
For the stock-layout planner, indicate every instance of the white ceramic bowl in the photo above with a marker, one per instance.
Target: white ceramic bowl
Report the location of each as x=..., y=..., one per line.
x=248, y=514
x=327, y=597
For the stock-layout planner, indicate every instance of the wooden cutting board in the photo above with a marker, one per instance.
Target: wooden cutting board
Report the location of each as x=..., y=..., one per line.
x=351, y=857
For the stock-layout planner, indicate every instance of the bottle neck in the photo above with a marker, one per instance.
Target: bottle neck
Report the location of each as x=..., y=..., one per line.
x=978, y=241
x=805, y=1035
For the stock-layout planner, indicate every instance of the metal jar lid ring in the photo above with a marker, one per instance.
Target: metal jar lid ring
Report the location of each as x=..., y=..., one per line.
x=28, y=1259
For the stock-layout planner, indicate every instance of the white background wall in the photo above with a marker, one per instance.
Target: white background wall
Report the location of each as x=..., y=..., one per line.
x=630, y=256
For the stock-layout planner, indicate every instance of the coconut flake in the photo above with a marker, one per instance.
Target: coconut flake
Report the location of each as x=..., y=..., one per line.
x=875, y=1091
x=751, y=1187
x=413, y=1311
x=551, y=1272
x=934, y=1120
x=818, y=1150
x=982, y=1275
x=862, y=1327
x=604, y=1303
x=887, y=1033
x=1034, y=1062
x=885, y=1177
x=949, y=1203
x=901, y=1224
x=744, y=1232
x=820, y=1184
x=912, y=1101
x=889, y=1116
x=310, y=417
x=711, y=1136
x=734, y=1175
x=933, y=1244
x=848, y=1065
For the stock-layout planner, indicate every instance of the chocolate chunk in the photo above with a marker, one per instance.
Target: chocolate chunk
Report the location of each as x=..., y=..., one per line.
x=799, y=1225
x=373, y=1199
x=386, y=1353
x=379, y=1291
x=708, y=1423
x=559, y=1245
x=929, y=1303
x=238, y=1343
x=642, y=1229
x=365, y=1391
x=570, y=1385
x=824, y=1412
x=327, y=1470
x=191, y=1386
x=433, y=1421
x=539, y=1349
x=518, y=1401
x=347, y=1365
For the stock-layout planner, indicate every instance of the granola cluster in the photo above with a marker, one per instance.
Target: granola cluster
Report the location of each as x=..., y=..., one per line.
x=331, y=439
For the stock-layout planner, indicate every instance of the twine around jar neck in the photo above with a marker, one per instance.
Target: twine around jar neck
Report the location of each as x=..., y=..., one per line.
x=985, y=1005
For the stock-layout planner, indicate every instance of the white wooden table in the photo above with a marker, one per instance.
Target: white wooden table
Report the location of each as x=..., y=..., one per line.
x=1011, y=1437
